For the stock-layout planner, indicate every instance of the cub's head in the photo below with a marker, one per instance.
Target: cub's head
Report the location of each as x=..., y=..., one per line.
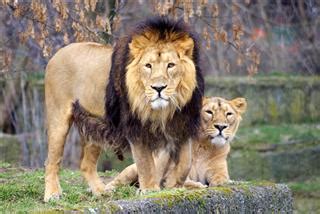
x=221, y=118
x=161, y=76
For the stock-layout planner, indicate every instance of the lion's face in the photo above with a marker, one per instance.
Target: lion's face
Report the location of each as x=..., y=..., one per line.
x=161, y=76
x=161, y=73
x=221, y=118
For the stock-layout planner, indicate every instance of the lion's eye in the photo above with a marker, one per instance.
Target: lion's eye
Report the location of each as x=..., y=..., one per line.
x=171, y=65
x=209, y=112
x=148, y=65
x=229, y=114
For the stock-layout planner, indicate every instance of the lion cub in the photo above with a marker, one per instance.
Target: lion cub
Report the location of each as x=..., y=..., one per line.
x=220, y=119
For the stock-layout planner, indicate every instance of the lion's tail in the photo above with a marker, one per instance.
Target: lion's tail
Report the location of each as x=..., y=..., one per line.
x=98, y=130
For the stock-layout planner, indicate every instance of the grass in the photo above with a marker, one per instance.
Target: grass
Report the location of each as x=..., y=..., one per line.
x=277, y=134
x=306, y=195
x=22, y=190
x=309, y=188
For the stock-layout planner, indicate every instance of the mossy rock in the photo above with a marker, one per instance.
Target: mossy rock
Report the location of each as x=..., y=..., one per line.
x=240, y=198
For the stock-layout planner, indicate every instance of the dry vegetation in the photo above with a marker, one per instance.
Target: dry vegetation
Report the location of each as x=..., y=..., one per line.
x=48, y=26
x=235, y=35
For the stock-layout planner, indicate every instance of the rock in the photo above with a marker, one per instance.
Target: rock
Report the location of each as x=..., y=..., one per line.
x=242, y=197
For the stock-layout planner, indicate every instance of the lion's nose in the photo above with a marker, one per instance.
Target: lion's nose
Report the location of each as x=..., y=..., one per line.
x=220, y=127
x=159, y=88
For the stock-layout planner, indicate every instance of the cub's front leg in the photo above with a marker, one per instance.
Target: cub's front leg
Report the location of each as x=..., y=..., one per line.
x=218, y=174
x=177, y=174
x=142, y=156
x=128, y=176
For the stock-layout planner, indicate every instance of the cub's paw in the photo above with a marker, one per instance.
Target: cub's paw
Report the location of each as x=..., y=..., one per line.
x=193, y=185
x=233, y=182
x=218, y=182
x=110, y=187
x=147, y=191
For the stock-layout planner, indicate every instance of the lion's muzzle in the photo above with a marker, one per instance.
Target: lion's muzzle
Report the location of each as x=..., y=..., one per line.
x=159, y=100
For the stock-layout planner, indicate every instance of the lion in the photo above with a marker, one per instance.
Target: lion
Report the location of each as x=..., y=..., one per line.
x=220, y=119
x=136, y=95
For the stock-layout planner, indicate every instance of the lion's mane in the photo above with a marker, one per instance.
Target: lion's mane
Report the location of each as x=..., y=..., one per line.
x=120, y=122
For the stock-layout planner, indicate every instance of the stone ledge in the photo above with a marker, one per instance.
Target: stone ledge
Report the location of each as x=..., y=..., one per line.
x=242, y=197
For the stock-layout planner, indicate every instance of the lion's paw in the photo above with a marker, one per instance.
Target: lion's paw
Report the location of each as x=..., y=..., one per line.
x=52, y=197
x=97, y=190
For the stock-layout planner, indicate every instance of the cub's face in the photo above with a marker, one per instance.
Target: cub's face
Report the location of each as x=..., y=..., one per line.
x=221, y=118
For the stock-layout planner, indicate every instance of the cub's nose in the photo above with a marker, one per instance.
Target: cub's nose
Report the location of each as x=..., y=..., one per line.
x=220, y=127
x=159, y=88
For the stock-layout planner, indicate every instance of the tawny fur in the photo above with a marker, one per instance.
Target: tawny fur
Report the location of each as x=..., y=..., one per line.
x=74, y=73
x=115, y=90
x=209, y=161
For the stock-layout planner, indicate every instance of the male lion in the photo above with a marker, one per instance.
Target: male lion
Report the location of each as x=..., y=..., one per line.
x=220, y=120
x=146, y=92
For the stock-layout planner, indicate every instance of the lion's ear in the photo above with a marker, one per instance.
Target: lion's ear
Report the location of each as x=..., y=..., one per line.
x=240, y=104
x=185, y=46
x=138, y=44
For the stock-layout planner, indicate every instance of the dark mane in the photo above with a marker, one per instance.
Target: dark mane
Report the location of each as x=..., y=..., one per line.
x=118, y=114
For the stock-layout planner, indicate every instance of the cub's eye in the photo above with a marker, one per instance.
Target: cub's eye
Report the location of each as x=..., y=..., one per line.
x=148, y=65
x=229, y=114
x=171, y=65
x=209, y=112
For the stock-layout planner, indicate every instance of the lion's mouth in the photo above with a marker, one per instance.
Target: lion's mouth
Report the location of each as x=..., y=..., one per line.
x=159, y=98
x=159, y=103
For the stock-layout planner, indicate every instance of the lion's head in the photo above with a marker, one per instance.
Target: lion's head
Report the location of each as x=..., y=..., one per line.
x=155, y=75
x=161, y=77
x=221, y=118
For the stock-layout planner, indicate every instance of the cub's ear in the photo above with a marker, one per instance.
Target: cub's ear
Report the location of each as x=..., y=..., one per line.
x=185, y=46
x=240, y=104
x=205, y=100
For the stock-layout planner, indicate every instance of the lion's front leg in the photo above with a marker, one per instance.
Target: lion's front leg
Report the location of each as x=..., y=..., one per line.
x=142, y=156
x=178, y=174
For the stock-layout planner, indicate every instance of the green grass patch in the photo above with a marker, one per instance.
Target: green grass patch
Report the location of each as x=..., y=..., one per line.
x=21, y=190
x=309, y=188
x=306, y=195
